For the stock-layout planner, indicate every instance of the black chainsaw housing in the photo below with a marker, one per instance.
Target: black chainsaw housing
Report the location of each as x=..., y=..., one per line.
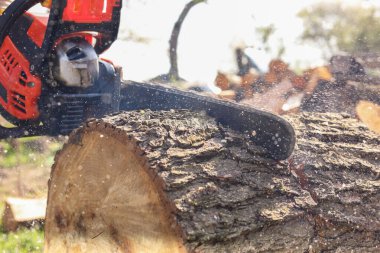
x=66, y=108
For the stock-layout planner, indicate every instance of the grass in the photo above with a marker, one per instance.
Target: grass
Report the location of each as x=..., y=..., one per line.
x=34, y=150
x=22, y=241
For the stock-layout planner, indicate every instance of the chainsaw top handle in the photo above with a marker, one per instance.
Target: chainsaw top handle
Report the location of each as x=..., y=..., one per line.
x=12, y=13
x=101, y=18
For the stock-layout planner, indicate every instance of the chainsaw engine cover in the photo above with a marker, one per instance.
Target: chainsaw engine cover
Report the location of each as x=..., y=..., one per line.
x=76, y=63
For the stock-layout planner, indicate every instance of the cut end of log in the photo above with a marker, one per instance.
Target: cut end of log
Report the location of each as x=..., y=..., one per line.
x=102, y=198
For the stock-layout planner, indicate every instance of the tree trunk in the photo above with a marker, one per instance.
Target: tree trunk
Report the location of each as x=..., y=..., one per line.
x=173, y=42
x=173, y=74
x=176, y=182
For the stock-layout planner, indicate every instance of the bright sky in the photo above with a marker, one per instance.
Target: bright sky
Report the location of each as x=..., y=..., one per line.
x=208, y=34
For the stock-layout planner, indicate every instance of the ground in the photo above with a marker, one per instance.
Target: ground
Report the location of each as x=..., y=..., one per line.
x=24, y=172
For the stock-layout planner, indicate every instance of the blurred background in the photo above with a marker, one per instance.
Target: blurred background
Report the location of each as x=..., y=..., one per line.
x=304, y=33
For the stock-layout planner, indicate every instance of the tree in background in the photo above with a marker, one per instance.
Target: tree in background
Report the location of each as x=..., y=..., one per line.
x=338, y=28
x=265, y=33
x=173, y=43
x=173, y=74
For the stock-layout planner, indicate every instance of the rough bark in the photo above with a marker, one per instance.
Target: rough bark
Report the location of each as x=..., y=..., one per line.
x=340, y=160
x=176, y=182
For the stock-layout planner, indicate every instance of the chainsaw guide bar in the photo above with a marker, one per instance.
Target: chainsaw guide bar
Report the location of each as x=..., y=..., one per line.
x=267, y=130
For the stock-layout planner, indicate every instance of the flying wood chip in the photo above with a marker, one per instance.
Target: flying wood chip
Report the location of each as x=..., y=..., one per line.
x=369, y=113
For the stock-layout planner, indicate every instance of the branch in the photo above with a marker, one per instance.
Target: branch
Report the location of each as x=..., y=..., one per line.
x=173, y=43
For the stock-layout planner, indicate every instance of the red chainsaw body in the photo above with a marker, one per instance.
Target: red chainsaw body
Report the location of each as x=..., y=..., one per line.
x=20, y=88
x=92, y=11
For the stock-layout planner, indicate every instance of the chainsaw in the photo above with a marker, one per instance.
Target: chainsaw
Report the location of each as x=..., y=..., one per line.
x=52, y=78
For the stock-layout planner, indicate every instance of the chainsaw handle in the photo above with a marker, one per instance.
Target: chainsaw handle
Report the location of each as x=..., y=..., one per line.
x=10, y=16
x=12, y=13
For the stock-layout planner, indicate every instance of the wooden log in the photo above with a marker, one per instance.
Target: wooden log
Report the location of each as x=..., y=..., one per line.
x=19, y=212
x=176, y=182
